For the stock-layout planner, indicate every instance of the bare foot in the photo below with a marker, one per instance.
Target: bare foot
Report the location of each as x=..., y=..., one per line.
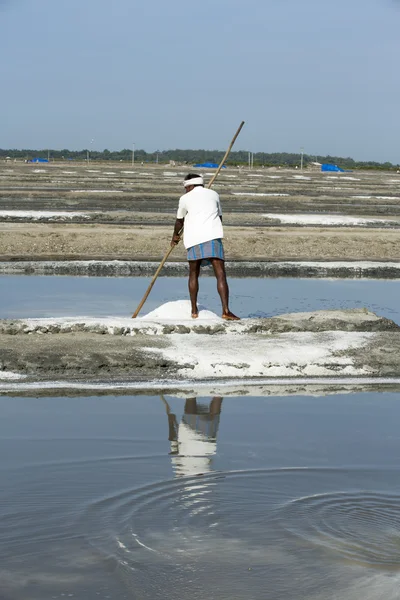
x=195, y=315
x=228, y=316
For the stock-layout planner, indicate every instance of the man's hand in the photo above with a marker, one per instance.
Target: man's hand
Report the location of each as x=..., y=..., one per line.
x=175, y=240
x=178, y=229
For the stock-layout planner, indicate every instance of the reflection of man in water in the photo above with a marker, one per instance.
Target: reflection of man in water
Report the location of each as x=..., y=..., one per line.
x=194, y=440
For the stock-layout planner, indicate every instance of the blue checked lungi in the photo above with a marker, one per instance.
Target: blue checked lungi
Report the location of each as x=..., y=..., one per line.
x=211, y=249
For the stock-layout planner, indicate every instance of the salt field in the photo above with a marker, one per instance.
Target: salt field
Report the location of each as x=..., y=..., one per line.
x=113, y=212
x=199, y=314
x=165, y=457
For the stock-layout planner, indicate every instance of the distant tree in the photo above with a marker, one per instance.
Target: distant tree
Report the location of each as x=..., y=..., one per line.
x=191, y=156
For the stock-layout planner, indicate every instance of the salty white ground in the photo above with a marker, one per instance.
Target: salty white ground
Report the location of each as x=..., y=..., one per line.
x=232, y=352
x=288, y=354
x=285, y=355
x=322, y=220
x=41, y=214
x=258, y=194
x=315, y=219
x=9, y=376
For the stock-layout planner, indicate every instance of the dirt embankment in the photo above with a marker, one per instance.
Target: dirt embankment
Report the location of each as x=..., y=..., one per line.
x=109, y=242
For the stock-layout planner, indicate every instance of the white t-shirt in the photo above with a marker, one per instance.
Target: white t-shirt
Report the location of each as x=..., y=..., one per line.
x=201, y=210
x=195, y=452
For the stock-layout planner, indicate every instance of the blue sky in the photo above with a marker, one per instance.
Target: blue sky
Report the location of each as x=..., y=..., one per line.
x=178, y=74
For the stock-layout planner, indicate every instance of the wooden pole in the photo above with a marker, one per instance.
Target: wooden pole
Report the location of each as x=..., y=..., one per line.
x=226, y=155
x=166, y=256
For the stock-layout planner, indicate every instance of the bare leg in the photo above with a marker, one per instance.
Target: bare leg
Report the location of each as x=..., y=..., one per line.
x=172, y=427
x=194, y=272
x=223, y=289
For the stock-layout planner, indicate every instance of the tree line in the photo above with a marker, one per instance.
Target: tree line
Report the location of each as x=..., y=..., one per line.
x=236, y=158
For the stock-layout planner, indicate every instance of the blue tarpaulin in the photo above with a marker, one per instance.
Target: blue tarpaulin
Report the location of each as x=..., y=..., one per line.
x=334, y=168
x=38, y=160
x=208, y=165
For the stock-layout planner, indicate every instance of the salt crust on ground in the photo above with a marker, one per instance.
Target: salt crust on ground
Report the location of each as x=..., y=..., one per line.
x=96, y=191
x=258, y=194
x=41, y=214
x=9, y=375
x=322, y=219
x=377, y=197
x=285, y=355
x=300, y=354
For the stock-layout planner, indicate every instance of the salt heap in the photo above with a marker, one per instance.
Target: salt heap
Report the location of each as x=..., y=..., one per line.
x=179, y=311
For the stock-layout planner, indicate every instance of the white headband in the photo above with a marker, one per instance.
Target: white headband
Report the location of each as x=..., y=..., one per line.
x=195, y=181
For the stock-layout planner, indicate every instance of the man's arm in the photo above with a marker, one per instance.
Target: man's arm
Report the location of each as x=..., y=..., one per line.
x=177, y=229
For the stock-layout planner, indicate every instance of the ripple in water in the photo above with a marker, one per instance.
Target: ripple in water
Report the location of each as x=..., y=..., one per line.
x=362, y=527
x=224, y=534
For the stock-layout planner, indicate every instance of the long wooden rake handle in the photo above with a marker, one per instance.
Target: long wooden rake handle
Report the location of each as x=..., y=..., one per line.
x=164, y=260
x=221, y=164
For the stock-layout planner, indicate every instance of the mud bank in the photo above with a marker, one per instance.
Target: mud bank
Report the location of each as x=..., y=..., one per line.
x=109, y=242
x=339, y=344
x=130, y=268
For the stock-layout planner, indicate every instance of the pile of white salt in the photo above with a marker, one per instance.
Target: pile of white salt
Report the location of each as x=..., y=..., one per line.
x=179, y=311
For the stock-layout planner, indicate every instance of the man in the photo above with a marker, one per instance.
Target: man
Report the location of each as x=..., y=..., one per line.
x=194, y=439
x=200, y=213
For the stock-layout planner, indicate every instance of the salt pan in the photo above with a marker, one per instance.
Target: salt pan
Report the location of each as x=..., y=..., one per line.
x=257, y=194
x=42, y=214
x=312, y=219
x=378, y=197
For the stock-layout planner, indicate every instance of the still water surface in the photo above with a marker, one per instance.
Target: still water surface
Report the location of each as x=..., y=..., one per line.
x=103, y=296
x=152, y=497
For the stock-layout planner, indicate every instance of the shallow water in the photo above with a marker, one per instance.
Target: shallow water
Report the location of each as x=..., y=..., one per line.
x=23, y=296
x=165, y=497
x=141, y=497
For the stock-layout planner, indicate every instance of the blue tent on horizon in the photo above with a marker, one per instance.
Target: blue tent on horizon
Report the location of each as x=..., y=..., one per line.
x=38, y=160
x=208, y=165
x=326, y=168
